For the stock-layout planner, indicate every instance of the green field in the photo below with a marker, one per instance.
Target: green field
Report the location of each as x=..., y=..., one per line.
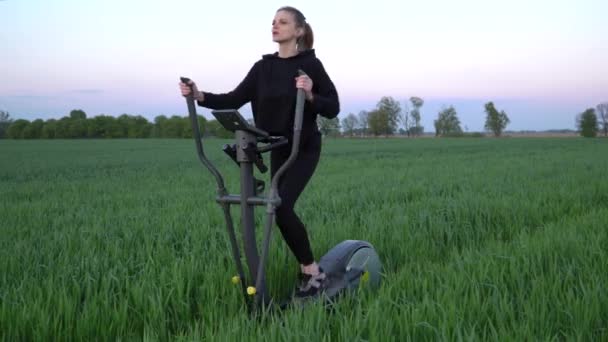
x=481, y=239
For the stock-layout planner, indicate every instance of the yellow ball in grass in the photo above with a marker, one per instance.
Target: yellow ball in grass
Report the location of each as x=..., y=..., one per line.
x=236, y=279
x=250, y=290
x=365, y=277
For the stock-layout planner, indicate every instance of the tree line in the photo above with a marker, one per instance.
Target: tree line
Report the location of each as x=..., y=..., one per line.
x=388, y=118
x=78, y=125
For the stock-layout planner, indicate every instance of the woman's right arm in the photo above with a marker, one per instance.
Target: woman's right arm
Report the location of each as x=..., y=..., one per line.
x=235, y=99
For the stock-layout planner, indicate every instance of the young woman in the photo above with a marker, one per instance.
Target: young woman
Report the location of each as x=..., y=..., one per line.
x=271, y=86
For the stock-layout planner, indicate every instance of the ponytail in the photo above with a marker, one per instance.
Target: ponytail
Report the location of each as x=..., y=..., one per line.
x=307, y=40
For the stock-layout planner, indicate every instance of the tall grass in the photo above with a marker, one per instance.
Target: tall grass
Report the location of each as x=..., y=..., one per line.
x=481, y=239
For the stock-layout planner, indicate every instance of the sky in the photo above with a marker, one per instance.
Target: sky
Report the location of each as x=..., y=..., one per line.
x=541, y=61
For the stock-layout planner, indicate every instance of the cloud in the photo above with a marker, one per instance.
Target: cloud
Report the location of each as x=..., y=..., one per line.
x=87, y=91
x=25, y=97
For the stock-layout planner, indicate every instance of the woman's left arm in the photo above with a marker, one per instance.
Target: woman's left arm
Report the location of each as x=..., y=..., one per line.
x=325, y=99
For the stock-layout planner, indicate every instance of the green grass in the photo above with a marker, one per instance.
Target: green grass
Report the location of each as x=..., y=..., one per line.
x=481, y=239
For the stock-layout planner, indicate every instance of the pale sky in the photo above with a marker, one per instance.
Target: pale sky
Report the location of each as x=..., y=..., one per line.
x=541, y=61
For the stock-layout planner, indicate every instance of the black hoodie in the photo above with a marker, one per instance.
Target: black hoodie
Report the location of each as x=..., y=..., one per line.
x=270, y=87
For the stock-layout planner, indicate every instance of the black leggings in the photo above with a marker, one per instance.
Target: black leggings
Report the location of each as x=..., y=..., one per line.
x=291, y=185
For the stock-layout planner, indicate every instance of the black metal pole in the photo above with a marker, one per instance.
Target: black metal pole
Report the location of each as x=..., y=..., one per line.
x=198, y=141
x=245, y=139
x=274, y=188
x=221, y=189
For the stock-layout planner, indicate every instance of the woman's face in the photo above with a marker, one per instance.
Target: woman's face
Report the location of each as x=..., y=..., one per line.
x=284, y=27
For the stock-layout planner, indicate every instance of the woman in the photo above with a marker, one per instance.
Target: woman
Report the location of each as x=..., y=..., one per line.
x=271, y=86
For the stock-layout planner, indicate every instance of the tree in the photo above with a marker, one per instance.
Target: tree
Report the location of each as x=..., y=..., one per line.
x=215, y=129
x=77, y=128
x=586, y=123
x=78, y=114
x=101, y=126
x=415, y=128
x=140, y=128
x=15, y=130
x=129, y=126
x=5, y=122
x=62, y=130
x=392, y=110
x=385, y=118
x=134, y=126
x=329, y=127
x=363, y=119
x=495, y=121
x=175, y=126
x=157, y=129
x=447, y=123
x=349, y=123
x=602, y=111
x=33, y=130
x=375, y=123
x=405, y=119
x=187, y=127
x=48, y=129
